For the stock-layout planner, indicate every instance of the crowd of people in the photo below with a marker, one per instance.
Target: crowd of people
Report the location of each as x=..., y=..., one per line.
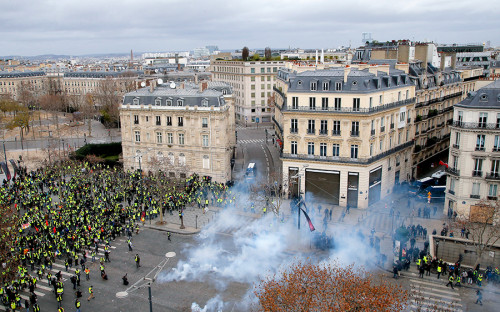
x=70, y=211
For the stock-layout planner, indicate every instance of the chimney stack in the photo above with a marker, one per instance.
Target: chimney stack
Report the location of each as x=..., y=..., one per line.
x=347, y=71
x=152, y=86
x=203, y=86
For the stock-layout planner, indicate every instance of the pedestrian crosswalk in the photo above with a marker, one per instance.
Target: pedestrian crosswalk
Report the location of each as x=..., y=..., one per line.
x=42, y=286
x=253, y=141
x=433, y=295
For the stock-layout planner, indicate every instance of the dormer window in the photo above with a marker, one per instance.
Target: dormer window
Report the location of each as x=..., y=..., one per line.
x=314, y=86
x=180, y=102
x=338, y=86
x=157, y=102
x=299, y=83
x=224, y=91
x=169, y=102
x=326, y=85
x=204, y=102
x=483, y=97
x=136, y=101
x=354, y=83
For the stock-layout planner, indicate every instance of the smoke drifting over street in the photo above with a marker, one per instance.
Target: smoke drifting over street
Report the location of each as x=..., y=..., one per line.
x=258, y=248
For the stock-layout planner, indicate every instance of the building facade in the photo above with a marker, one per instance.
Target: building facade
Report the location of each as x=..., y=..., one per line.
x=181, y=129
x=346, y=133
x=13, y=84
x=474, y=156
x=252, y=82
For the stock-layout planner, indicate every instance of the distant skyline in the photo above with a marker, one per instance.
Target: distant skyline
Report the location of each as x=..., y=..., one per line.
x=36, y=27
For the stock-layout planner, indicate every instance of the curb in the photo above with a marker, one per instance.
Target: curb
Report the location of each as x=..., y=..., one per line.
x=175, y=231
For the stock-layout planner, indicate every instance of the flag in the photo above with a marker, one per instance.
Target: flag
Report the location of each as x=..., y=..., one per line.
x=442, y=163
x=5, y=169
x=311, y=226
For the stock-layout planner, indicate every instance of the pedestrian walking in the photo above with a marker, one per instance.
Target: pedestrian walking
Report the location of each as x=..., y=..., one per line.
x=78, y=304
x=450, y=281
x=168, y=236
x=137, y=261
x=479, y=295
x=91, y=293
x=129, y=242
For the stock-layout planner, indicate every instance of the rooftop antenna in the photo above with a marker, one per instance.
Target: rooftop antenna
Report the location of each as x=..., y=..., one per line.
x=160, y=81
x=172, y=85
x=143, y=84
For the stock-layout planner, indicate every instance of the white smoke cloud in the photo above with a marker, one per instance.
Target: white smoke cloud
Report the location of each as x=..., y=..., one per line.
x=214, y=304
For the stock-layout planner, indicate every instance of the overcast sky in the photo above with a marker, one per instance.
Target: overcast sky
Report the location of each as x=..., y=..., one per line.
x=76, y=27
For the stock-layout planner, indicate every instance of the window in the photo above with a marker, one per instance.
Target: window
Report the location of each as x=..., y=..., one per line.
x=492, y=192
x=382, y=124
x=381, y=144
x=338, y=86
x=336, y=127
x=252, y=70
x=355, y=128
x=336, y=150
x=311, y=126
x=480, y=142
x=323, y=127
x=371, y=149
x=460, y=117
x=322, y=149
x=370, y=102
x=452, y=185
x=181, y=138
x=262, y=70
x=182, y=160
x=338, y=104
x=354, y=151
x=495, y=167
x=312, y=103
x=157, y=102
x=455, y=162
x=310, y=148
x=295, y=102
x=180, y=121
x=324, y=103
x=496, y=143
x=159, y=137
x=170, y=138
x=135, y=101
x=380, y=99
x=180, y=102
x=326, y=85
x=314, y=86
x=158, y=120
x=293, y=125
x=475, y=189
x=204, y=122
x=171, y=158
x=355, y=104
x=169, y=120
x=457, y=140
x=483, y=117
x=137, y=136
x=136, y=119
x=206, y=162
x=498, y=121
x=478, y=165
x=402, y=116
x=204, y=103
x=204, y=139
x=293, y=148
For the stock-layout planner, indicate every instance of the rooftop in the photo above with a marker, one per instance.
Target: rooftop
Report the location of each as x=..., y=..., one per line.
x=487, y=97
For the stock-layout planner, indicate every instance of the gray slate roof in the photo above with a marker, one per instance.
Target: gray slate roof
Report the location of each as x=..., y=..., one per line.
x=190, y=95
x=100, y=74
x=18, y=74
x=487, y=97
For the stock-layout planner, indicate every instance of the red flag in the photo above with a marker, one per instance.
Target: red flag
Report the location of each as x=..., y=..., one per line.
x=311, y=226
x=47, y=222
x=442, y=163
x=36, y=228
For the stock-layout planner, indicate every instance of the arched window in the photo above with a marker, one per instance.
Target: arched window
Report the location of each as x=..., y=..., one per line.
x=182, y=160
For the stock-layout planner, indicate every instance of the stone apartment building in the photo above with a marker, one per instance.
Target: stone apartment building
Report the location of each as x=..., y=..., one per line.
x=13, y=83
x=180, y=129
x=346, y=133
x=474, y=156
x=252, y=82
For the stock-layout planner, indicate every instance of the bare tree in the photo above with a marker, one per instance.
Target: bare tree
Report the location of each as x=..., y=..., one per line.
x=268, y=54
x=53, y=104
x=107, y=97
x=245, y=53
x=482, y=222
x=270, y=193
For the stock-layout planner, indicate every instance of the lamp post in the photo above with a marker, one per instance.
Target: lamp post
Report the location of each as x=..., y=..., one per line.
x=147, y=280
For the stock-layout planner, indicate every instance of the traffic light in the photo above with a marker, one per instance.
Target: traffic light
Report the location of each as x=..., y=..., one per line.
x=429, y=197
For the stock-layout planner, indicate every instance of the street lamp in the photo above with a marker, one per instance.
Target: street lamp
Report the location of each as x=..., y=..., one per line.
x=147, y=280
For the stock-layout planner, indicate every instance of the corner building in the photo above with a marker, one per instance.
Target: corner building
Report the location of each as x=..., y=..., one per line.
x=345, y=132
x=474, y=156
x=180, y=130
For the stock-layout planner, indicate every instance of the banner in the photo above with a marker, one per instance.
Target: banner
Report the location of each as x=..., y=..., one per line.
x=5, y=170
x=311, y=226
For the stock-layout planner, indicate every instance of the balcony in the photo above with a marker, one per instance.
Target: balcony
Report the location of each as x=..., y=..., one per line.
x=382, y=129
x=349, y=110
x=480, y=148
x=474, y=196
x=372, y=132
x=477, y=173
x=311, y=131
x=475, y=125
x=204, y=125
x=419, y=118
x=335, y=132
x=496, y=149
x=456, y=146
x=294, y=130
x=323, y=132
x=453, y=171
x=169, y=123
x=355, y=133
x=492, y=197
x=493, y=176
